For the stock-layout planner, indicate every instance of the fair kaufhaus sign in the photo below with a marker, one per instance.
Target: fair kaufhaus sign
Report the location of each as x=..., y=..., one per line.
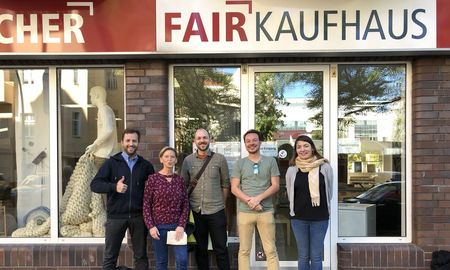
x=222, y=26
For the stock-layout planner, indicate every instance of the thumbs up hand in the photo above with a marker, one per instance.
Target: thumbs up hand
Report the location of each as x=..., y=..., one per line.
x=121, y=187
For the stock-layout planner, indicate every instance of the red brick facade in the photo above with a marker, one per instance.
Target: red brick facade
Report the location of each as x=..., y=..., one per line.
x=74, y=257
x=147, y=105
x=381, y=256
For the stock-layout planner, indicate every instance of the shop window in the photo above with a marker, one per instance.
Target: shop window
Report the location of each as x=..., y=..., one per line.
x=24, y=152
x=92, y=98
x=210, y=98
x=371, y=169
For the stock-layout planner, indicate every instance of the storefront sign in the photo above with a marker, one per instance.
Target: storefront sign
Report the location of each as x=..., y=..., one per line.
x=299, y=26
x=222, y=26
x=94, y=26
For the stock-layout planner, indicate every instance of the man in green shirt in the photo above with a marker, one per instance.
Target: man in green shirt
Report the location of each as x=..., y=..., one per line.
x=208, y=201
x=255, y=179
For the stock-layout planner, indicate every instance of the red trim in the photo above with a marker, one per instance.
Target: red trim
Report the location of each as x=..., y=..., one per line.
x=241, y=2
x=442, y=24
x=113, y=26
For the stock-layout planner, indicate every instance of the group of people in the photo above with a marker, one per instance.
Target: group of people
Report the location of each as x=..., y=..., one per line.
x=144, y=201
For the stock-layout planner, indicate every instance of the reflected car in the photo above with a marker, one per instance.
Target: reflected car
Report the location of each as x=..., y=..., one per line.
x=387, y=198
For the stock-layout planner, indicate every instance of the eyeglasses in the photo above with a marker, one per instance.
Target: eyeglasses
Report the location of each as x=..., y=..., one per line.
x=255, y=168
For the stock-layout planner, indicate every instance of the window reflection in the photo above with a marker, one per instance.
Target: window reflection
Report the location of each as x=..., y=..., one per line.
x=209, y=97
x=371, y=162
x=287, y=104
x=24, y=150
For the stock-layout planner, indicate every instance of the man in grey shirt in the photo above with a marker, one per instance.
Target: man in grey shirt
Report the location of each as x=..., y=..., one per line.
x=208, y=200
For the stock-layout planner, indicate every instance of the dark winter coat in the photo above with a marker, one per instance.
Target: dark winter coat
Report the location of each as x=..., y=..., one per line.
x=128, y=204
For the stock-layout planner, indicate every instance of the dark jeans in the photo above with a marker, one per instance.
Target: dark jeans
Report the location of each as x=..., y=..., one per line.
x=309, y=236
x=161, y=249
x=114, y=234
x=216, y=226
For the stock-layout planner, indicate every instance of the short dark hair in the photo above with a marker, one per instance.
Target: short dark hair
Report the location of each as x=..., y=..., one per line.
x=131, y=131
x=254, y=131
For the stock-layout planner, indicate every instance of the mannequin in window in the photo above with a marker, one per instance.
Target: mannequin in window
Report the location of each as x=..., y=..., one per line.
x=83, y=212
x=106, y=143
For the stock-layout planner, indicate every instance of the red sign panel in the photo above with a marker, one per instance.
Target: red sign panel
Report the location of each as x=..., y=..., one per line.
x=129, y=26
x=96, y=26
x=443, y=23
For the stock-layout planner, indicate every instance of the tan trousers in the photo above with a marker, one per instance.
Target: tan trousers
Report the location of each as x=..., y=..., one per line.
x=265, y=223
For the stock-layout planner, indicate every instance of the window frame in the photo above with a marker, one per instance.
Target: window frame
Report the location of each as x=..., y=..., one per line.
x=55, y=170
x=408, y=160
x=171, y=104
x=332, y=142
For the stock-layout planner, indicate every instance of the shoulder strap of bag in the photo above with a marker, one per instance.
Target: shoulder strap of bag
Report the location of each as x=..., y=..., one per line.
x=199, y=174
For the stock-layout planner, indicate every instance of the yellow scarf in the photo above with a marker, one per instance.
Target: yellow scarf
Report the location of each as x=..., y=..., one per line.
x=311, y=166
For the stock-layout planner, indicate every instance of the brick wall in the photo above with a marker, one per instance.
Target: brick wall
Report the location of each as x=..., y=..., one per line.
x=381, y=257
x=430, y=177
x=431, y=153
x=78, y=257
x=147, y=105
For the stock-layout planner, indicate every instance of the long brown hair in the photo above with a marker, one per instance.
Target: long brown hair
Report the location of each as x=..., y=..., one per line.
x=304, y=138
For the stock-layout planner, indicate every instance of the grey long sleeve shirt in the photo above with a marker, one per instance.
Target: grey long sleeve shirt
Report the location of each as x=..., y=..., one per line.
x=207, y=197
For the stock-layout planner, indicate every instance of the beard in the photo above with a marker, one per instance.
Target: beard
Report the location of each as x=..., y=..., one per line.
x=203, y=147
x=131, y=151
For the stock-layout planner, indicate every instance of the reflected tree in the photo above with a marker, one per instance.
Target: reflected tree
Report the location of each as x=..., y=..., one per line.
x=269, y=94
x=363, y=89
x=205, y=97
x=270, y=89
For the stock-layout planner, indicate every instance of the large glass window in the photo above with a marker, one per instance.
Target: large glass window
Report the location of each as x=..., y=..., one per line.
x=91, y=102
x=25, y=121
x=287, y=104
x=24, y=153
x=209, y=97
x=371, y=154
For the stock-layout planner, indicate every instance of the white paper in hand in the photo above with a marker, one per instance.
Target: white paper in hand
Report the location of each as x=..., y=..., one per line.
x=172, y=241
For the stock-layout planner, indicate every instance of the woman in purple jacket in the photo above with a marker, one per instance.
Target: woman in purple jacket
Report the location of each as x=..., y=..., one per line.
x=166, y=208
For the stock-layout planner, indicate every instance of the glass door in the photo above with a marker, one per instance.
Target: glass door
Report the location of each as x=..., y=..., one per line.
x=283, y=103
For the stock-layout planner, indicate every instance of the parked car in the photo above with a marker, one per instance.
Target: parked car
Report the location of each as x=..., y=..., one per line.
x=387, y=198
